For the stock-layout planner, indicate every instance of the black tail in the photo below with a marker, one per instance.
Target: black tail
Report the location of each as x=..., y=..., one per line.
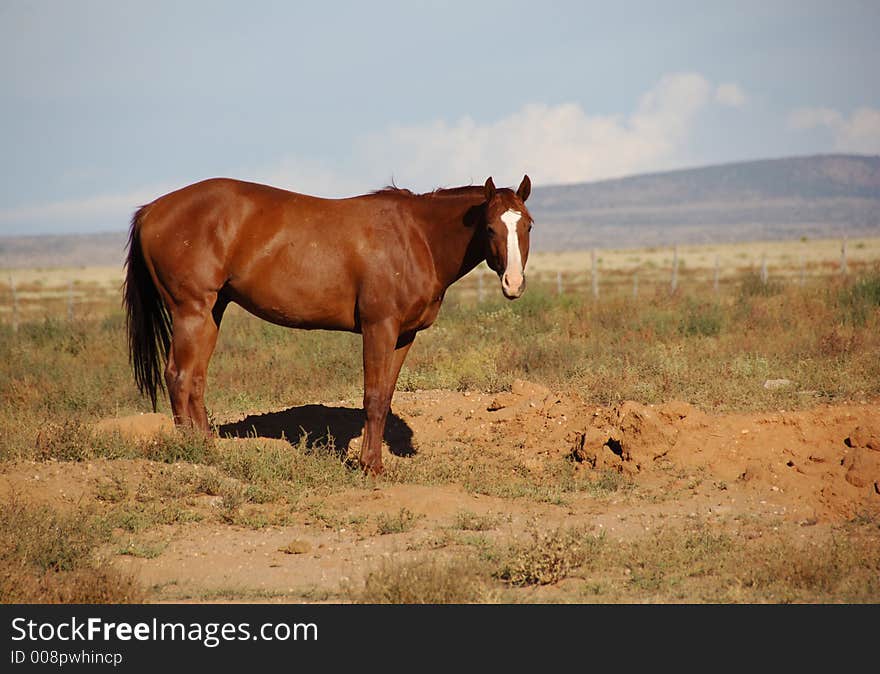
x=147, y=318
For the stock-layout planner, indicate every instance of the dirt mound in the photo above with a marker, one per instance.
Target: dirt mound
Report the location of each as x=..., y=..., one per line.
x=824, y=460
x=827, y=457
x=148, y=426
x=631, y=437
x=138, y=426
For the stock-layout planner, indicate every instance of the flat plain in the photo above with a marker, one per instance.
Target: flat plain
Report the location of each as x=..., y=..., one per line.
x=703, y=443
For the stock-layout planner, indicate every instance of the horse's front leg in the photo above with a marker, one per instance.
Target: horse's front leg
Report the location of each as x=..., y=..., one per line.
x=384, y=353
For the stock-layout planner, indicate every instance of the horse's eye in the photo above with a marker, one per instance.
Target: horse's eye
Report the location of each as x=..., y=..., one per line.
x=530, y=226
x=490, y=232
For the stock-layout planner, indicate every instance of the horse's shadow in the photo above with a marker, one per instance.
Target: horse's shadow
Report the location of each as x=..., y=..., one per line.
x=320, y=424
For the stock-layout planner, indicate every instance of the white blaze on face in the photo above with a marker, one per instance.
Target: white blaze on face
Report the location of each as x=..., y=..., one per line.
x=512, y=280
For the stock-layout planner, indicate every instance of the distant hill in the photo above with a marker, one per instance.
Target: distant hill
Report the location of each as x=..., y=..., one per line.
x=821, y=196
x=50, y=251
x=773, y=199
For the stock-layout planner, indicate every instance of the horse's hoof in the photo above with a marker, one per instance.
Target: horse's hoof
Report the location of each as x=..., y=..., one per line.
x=374, y=469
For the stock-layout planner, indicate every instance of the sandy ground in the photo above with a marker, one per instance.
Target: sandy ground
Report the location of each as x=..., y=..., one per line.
x=800, y=469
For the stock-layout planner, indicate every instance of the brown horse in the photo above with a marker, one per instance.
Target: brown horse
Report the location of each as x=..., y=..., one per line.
x=377, y=264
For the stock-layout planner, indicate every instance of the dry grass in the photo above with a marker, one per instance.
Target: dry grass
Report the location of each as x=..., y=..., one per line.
x=421, y=581
x=547, y=558
x=396, y=523
x=756, y=564
x=692, y=563
x=468, y=521
x=48, y=557
x=493, y=472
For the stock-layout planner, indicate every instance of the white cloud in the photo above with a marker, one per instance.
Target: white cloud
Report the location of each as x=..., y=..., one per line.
x=859, y=133
x=730, y=94
x=809, y=118
x=553, y=143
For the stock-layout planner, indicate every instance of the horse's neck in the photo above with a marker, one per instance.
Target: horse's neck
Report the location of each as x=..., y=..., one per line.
x=474, y=254
x=453, y=233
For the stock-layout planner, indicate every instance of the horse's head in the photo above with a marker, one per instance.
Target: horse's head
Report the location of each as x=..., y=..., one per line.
x=508, y=223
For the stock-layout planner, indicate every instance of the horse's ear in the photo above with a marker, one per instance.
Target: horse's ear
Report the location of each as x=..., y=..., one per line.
x=490, y=188
x=525, y=188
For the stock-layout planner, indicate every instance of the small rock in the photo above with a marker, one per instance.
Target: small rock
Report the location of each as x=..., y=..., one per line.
x=773, y=384
x=676, y=410
x=501, y=401
x=296, y=547
x=528, y=389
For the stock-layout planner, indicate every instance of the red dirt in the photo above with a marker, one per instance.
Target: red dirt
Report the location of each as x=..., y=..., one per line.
x=816, y=466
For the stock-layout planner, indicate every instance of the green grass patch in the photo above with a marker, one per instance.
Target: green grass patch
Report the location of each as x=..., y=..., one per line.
x=859, y=300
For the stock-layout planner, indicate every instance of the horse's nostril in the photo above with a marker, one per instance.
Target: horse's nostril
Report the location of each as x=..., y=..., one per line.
x=516, y=283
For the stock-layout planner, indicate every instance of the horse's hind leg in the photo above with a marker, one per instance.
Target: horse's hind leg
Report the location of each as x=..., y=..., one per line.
x=194, y=337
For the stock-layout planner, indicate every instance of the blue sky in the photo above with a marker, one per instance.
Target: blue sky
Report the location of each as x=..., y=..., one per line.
x=107, y=105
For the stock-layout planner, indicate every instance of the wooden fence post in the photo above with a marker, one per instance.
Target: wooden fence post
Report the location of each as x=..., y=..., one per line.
x=763, y=268
x=715, y=278
x=14, y=303
x=673, y=284
x=636, y=284
x=594, y=274
x=558, y=282
x=70, y=301
x=843, y=268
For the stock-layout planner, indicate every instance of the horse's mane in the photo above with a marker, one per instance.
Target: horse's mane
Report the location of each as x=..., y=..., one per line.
x=394, y=189
x=438, y=192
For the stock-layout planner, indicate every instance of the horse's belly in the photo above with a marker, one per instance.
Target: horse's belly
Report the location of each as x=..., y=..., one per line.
x=299, y=307
x=297, y=284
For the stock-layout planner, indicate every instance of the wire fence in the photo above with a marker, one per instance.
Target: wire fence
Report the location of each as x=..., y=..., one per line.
x=70, y=299
x=77, y=299
x=649, y=280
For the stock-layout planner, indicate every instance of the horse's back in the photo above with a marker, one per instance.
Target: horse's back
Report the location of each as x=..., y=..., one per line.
x=290, y=258
x=226, y=222
x=224, y=208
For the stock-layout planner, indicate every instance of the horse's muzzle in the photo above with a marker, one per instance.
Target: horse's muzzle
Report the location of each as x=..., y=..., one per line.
x=513, y=290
